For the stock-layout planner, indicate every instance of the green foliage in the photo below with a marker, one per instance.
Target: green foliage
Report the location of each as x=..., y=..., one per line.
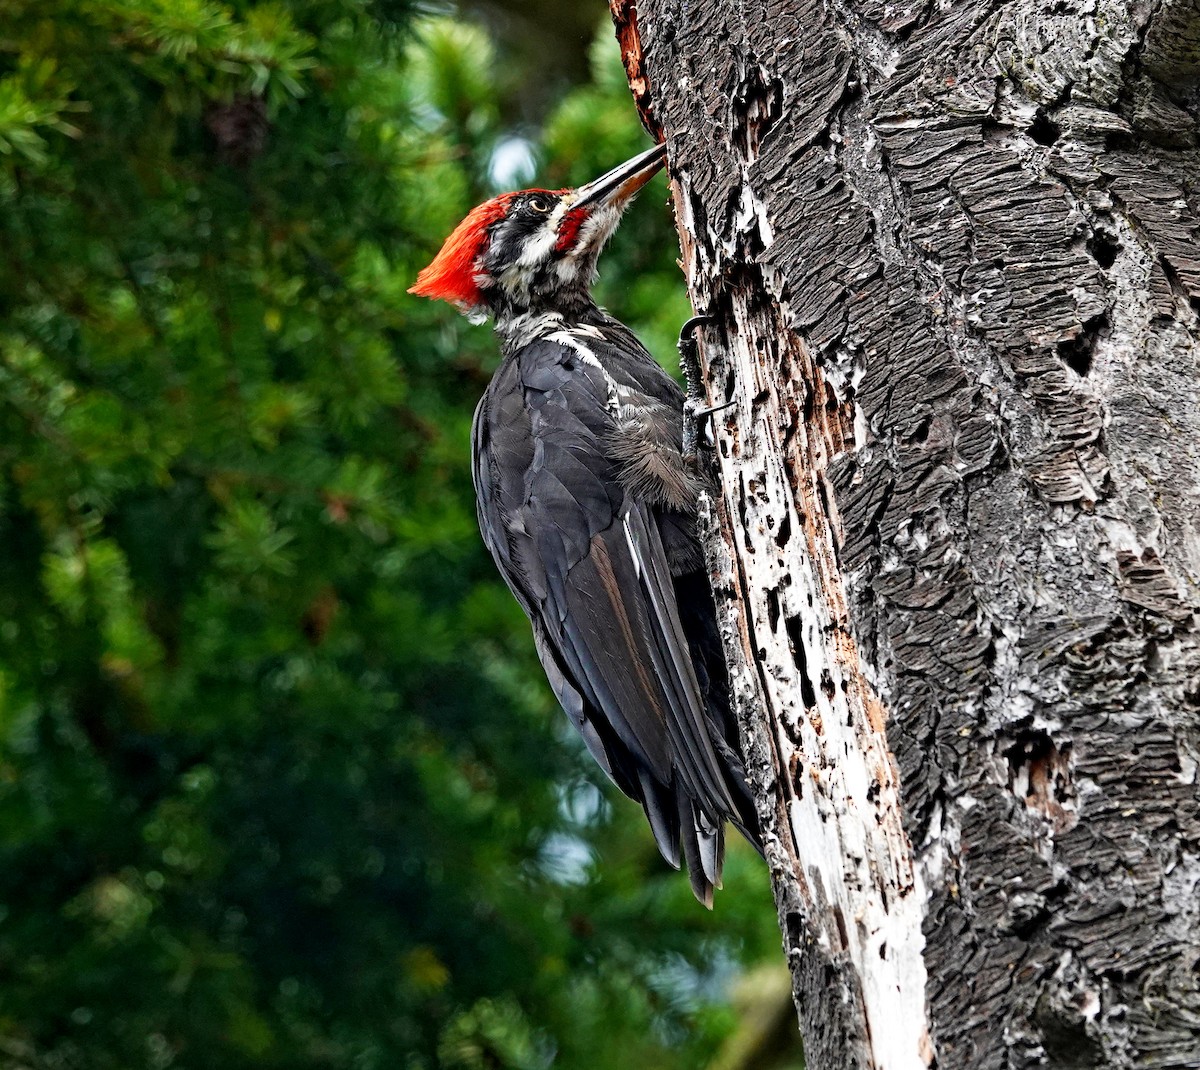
x=281, y=784
x=30, y=107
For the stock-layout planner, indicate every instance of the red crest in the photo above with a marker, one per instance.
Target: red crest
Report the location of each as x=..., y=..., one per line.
x=450, y=276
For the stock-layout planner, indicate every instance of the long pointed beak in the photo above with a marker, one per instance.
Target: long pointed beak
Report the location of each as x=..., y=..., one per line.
x=623, y=181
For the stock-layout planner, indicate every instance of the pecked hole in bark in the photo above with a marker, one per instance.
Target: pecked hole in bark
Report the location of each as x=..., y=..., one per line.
x=1039, y=774
x=988, y=656
x=1103, y=249
x=828, y=688
x=808, y=694
x=784, y=535
x=1043, y=129
x=1076, y=353
x=757, y=104
x=1062, y=1026
x=773, y=609
x=793, y=926
x=1119, y=141
x=796, y=775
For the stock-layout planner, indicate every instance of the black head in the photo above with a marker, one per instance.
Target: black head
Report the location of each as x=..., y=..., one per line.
x=537, y=248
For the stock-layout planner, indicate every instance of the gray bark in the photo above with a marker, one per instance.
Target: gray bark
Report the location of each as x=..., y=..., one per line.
x=951, y=256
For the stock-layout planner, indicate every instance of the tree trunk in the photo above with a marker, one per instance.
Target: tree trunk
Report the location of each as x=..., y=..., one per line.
x=950, y=253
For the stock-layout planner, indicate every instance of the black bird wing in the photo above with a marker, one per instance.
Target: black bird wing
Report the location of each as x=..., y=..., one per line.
x=586, y=561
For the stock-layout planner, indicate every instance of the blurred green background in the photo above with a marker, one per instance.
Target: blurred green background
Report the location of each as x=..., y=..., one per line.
x=281, y=783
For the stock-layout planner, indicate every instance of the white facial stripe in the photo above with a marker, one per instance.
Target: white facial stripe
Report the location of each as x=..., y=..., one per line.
x=537, y=249
x=556, y=216
x=537, y=266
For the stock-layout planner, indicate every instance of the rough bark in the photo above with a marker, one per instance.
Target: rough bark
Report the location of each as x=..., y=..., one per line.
x=951, y=256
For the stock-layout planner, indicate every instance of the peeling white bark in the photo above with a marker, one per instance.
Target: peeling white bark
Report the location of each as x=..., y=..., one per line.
x=842, y=801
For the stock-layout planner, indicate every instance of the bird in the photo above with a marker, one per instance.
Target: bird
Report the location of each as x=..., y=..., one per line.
x=587, y=503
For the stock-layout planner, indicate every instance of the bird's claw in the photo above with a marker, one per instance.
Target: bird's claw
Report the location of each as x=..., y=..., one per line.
x=689, y=326
x=689, y=355
x=704, y=414
x=699, y=427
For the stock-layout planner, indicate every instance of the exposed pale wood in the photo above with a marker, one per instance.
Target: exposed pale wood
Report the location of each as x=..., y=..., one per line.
x=953, y=258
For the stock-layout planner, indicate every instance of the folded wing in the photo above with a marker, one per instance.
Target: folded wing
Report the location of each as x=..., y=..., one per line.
x=587, y=563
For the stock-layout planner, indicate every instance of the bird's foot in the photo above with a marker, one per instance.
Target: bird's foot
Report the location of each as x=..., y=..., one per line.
x=689, y=356
x=699, y=429
x=697, y=414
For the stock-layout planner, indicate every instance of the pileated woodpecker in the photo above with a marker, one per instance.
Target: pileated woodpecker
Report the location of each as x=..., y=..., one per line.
x=588, y=505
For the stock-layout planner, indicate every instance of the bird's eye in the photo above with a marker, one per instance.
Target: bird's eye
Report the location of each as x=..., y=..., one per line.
x=539, y=204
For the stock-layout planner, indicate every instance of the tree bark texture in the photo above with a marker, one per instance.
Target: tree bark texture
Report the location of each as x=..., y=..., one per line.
x=951, y=253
